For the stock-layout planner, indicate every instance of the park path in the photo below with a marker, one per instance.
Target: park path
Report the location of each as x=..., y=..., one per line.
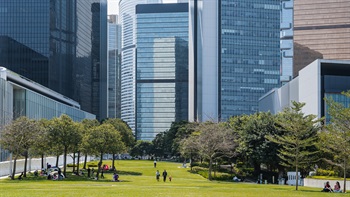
x=33, y=164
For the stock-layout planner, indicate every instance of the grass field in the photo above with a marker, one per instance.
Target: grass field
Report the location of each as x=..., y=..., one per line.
x=138, y=179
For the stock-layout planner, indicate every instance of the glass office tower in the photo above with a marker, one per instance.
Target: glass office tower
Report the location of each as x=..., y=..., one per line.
x=127, y=16
x=114, y=48
x=321, y=31
x=56, y=43
x=235, y=47
x=161, y=67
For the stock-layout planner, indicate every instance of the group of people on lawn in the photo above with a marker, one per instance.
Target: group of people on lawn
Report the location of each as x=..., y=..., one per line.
x=328, y=188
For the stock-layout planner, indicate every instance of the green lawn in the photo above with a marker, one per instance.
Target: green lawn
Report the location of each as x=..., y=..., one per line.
x=138, y=179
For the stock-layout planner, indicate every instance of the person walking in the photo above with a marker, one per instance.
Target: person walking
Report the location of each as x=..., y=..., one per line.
x=155, y=163
x=157, y=175
x=165, y=174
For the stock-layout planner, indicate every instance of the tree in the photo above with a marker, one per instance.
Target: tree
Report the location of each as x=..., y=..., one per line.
x=41, y=146
x=299, y=137
x=142, y=148
x=101, y=140
x=214, y=140
x=88, y=125
x=335, y=138
x=63, y=133
x=125, y=132
x=253, y=145
x=159, y=144
x=18, y=137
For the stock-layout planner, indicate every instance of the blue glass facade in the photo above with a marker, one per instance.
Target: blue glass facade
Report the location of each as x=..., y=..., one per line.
x=249, y=60
x=53, y=44
x=161, y=67
x=114, y=68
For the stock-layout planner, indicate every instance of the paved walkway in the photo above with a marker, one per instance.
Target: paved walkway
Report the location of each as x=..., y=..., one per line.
x=33, y=164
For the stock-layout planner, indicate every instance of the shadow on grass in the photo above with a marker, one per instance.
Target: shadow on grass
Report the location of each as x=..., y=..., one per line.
x=121, y=172
x=69, y=178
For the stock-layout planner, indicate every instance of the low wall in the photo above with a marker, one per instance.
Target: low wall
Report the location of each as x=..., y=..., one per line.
x=320, y=183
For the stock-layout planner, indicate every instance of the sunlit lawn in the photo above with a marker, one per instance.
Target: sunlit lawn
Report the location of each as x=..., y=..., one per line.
x=138, y=179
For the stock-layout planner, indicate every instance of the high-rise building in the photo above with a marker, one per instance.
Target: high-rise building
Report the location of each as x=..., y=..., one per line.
x=321, y=31
x=127, y=16
x=286, y=36
x=161, y=67
x=234, y=56
x=114, y=48
x=59, y=44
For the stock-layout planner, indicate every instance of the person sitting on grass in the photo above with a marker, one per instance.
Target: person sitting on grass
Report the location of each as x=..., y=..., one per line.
x=337, y=188
x=327, y=187
x=115, y=177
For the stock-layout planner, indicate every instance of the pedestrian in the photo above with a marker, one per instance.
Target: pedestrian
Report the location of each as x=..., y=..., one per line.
x=157, y=175
x=165, y=174
x=155, y=163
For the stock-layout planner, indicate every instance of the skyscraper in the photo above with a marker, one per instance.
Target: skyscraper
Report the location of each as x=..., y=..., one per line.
x=321, y=31
x=286, y=36
x=114, y=48
x=161, y=67
x=234, y=56
x=127, y=21
x=60, y=44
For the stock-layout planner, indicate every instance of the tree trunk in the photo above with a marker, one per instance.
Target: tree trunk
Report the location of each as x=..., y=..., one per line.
x=57, y=158
x=210, y=168
x=99, y=166
x=65, y=162
x=78, y=161
x=14, y=168
x=25, y=164
x=257, y=168
x=344, y=188
x=85, y=161
x=113, y=161
x=42, y=161
x=73, y=162
x=191, y=160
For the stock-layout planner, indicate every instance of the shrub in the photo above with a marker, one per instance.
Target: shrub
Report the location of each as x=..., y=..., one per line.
x=322, y=172
x=218, y=175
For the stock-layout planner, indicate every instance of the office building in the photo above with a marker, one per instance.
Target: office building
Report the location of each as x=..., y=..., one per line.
x=20, y=96
x=114, y=64
x=161, y=67
x=127, y=15
x=320, y=79
x=59, y=44
x=321, y=31
x=234, y=56
x=286, y=36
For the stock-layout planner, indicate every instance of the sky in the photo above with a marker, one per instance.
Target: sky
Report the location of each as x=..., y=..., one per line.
x=113, y=5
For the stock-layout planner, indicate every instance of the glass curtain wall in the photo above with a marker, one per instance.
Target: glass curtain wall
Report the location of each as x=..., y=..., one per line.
x=162, y=68
x=249, y=40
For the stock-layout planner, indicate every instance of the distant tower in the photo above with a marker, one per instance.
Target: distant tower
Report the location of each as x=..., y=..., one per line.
x=127, y=21
x=161, y=67
x=234, y=56
x=114, y=48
